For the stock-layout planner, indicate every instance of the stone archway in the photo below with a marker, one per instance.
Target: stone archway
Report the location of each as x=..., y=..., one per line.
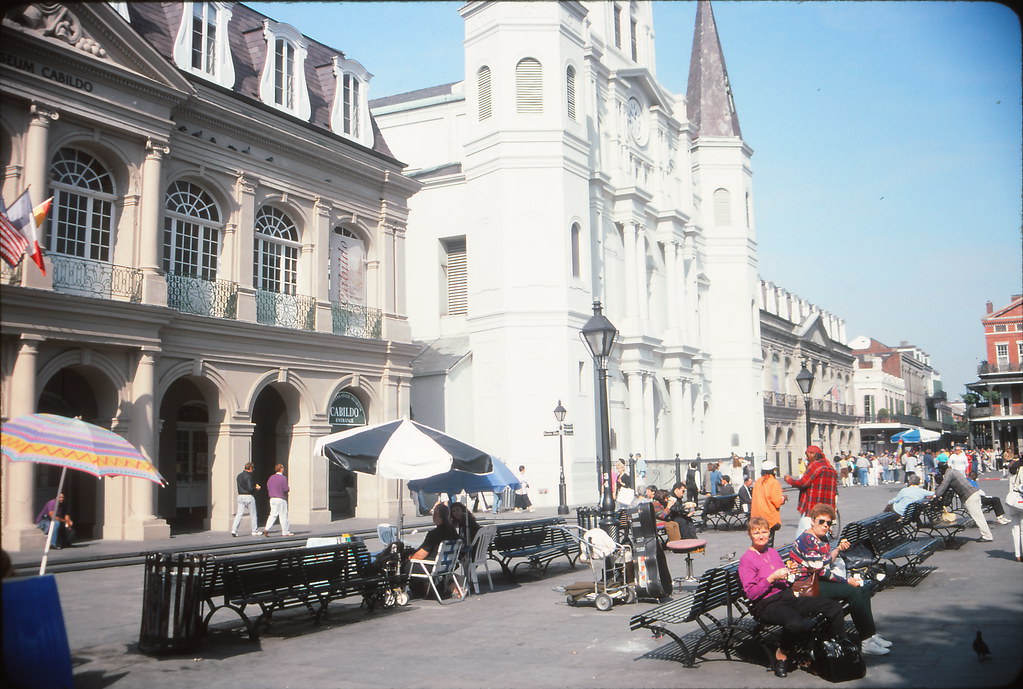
x=185, y=455
x=76, y=391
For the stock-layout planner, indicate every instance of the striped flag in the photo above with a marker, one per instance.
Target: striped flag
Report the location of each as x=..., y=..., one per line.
x=12, y=242
x=39, y=214
x=22, y=216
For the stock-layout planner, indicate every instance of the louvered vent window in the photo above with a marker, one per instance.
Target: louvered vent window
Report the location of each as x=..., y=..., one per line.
x=722, y=207
x=528, y=86
x=570, y=91
x=456, y=275
x=483, y=89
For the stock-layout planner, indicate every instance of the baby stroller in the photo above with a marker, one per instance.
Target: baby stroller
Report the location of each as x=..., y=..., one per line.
x=391, y=563
x=612, y=566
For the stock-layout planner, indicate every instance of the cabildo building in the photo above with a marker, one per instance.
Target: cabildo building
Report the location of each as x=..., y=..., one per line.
x=225, y=258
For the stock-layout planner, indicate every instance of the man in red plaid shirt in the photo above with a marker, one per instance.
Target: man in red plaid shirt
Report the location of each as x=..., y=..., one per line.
x=818, y=484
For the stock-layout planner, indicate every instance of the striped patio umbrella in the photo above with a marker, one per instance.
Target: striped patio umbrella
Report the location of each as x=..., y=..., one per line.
x=72, y=444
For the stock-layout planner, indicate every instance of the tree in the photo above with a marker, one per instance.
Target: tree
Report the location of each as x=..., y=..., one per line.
x=971, y=398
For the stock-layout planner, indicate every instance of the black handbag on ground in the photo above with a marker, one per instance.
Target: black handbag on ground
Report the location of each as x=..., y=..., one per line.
x=838, y=660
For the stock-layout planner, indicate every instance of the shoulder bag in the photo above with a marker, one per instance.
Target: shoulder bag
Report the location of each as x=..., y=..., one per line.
x=807, y=586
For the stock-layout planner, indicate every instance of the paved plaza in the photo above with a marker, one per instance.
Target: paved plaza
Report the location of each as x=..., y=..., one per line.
x=523, y=635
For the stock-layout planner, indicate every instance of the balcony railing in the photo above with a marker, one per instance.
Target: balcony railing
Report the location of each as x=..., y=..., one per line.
x=285, y=310
x=998, y=367
x=356, y=320
x=90, y=278
x=215, y=298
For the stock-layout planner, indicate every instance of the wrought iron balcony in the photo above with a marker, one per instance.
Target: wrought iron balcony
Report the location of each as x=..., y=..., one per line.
x=294, y=311
x=215, y=298
x=90, y=278
x=356, y=320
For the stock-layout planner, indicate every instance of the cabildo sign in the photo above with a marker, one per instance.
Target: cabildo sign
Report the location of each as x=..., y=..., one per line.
x=346, y=411
x=47, y=72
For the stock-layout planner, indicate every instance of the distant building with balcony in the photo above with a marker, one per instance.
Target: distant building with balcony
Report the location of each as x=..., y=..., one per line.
x=792, y=331
x=998, y=420
x=896, y=389
x=225, y=258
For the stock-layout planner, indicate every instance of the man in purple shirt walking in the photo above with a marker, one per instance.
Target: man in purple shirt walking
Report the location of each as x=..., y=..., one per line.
x=277, y=489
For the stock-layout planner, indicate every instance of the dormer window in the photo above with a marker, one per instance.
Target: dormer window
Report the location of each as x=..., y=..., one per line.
x=201, y=46
x=282, y=83
x=350, y=114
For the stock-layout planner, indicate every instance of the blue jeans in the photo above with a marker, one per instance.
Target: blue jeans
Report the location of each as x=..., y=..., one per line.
x=862, y=474
x=497, y=502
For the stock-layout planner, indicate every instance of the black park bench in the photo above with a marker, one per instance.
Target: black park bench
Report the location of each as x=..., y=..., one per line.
x=292, y=577
x=537, y=542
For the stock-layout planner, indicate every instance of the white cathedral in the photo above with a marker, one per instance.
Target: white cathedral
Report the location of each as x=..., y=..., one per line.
x=560, y=172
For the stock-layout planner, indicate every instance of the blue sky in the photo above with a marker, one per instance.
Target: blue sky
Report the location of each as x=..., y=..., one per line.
x=886, y=137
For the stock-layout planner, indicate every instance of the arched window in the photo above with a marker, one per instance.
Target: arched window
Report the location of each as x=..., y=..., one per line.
x=485, y=104
x=275, y=255
x=722, y=207
x=282, y=83
x=528, y=86
x=570, y=91
x=83, y=206
x=201, y=46
x=576, y=251
x=191, y=232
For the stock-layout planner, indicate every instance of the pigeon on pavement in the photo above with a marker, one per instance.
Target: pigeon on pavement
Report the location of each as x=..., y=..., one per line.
x=981, y=647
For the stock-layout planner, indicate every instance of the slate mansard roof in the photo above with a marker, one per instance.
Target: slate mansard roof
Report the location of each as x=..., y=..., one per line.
x=158, y=23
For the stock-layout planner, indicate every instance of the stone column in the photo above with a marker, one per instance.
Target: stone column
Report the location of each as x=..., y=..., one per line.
x=642, y=297
x=154, y=286
x=245, y=191
x=637, y=418
x=650, y=427
x=629, y=239
x=37, y=163
x=142, y=523
x=681, y=410
x=674, y=285
x=19, y=533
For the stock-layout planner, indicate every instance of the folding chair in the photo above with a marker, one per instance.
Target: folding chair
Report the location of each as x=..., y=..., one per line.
x=479, y=554
x=438, y=571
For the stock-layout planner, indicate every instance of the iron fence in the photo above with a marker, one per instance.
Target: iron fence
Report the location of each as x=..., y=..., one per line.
x=356, y=320
x=216, y=298
x=85, y=277
x=285, y=310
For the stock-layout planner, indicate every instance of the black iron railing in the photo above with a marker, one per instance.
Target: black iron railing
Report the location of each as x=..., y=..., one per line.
x=356, y=320
x=216, y=298
x=90, y=278
x=294, y=311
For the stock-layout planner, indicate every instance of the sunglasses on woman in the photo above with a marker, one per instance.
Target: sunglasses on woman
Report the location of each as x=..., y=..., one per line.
x=825, y=522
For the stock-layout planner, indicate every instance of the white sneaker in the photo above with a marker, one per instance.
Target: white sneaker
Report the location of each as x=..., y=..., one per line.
x=884, y=642
x=872, y=648
x=1002, y=520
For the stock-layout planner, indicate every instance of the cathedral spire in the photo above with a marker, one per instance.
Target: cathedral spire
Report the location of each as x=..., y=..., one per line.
x=709, y=102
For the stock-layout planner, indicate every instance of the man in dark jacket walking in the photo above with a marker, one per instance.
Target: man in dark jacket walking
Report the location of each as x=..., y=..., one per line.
x=247, y=488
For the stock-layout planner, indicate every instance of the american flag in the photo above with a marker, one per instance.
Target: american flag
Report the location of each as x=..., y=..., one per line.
x=12, y=242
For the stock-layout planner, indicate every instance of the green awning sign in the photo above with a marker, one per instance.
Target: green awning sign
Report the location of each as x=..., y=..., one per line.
x=346, y=411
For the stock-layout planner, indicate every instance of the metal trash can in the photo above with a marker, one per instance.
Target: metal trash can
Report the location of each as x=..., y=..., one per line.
x=171, y=602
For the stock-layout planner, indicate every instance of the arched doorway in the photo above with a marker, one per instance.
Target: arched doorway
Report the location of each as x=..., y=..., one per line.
x=346, y=411
x=75, y=392
x=271, y=440
x=184, y=456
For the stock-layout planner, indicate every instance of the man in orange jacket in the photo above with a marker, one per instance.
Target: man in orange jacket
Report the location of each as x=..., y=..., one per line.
x=768, y=499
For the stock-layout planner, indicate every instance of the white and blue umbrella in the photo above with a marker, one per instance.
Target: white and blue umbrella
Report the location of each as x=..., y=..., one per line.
x=455, y=481
x=916, y=435
x=401, y=449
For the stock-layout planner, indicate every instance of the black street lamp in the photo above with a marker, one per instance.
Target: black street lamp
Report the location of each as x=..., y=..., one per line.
x=804, y=379
x=559, y=414
x=599, y=335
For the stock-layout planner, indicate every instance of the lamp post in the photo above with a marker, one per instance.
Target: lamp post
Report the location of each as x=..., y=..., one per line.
x=599, y=335
x=563, y=430
x=804, y=379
